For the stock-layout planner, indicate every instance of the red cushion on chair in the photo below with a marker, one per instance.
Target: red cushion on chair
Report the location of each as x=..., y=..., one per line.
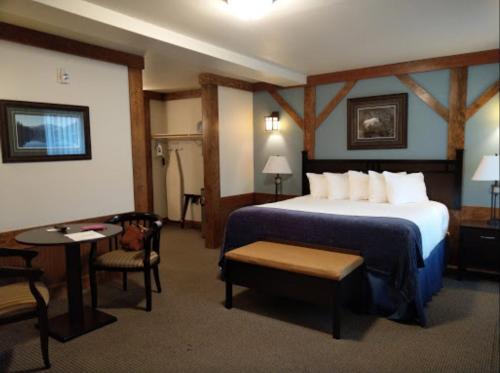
x=133, y=237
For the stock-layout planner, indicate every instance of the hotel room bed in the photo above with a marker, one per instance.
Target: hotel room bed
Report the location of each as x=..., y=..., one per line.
x=403, y=245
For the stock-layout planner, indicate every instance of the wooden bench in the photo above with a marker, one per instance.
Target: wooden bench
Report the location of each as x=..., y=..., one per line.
x=284, y=268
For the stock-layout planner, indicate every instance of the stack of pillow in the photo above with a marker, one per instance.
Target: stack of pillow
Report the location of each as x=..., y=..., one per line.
x=394, y=188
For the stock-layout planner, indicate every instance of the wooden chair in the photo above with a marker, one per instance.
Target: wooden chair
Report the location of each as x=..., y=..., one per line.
x=25, y=300
x=119, y=260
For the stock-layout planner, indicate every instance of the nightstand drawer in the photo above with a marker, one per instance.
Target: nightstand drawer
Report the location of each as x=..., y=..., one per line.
x=482, y=237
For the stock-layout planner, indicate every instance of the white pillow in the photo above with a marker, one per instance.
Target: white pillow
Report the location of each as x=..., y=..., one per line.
x=338, y=185
x=405, y=188
x=318, y=185
x=377, y=192
x=358, y=185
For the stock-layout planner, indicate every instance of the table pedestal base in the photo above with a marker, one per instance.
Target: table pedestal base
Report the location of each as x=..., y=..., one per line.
x=64, y=329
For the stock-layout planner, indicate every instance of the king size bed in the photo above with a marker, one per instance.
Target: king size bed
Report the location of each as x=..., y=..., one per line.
x=403, y=246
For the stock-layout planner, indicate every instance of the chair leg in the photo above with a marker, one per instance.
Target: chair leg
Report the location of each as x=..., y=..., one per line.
x=124, y=278
x=43, y=325
x=147, y=285
x=156, y=273
x=93, y=287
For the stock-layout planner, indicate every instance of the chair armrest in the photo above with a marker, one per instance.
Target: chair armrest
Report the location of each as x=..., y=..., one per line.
x=28, y=273
x=27, y=255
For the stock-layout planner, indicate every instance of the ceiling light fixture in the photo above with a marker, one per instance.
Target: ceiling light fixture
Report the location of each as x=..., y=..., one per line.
x=250, y=9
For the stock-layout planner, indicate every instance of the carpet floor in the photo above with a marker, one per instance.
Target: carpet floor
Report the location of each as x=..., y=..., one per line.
x=189, y=330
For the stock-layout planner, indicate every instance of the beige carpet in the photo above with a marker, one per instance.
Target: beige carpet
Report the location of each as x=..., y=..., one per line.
x=190, y=331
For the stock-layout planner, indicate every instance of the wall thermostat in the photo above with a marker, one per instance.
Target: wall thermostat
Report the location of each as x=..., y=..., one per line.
x=62, y=76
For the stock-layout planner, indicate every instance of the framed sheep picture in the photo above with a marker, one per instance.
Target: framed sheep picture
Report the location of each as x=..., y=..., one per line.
x=377, y=122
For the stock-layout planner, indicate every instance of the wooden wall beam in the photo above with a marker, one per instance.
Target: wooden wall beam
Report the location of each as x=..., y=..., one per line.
x=429, y=64
x=139, y=140
x=181, y=95
x=310, y=120
x=44, y=40
x=334, y=102
x=457, y=106
x=425, y=96
x=210, y=118
x=287, y=107
x=149, y=153
x=479, y=102
x=214, y=79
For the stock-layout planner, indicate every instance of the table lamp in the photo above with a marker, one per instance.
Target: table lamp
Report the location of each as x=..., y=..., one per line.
x=277, y=164
x=488, y=170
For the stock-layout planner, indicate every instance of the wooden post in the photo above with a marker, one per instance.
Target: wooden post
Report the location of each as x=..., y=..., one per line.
x=458, y=107
x=310, y=120
x=149, y=160
x=139, y=138
x=210, y=118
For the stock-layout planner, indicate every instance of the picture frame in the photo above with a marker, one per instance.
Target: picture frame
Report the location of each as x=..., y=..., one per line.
x=43, y=132
x=377, y=122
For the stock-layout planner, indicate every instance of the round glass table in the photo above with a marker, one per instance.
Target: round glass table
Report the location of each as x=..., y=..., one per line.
x=79, y=319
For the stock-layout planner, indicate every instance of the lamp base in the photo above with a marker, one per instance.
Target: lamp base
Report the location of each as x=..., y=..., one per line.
x=277, y=187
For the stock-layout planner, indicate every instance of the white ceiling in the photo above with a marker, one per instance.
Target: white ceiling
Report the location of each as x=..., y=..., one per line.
x=181, y=38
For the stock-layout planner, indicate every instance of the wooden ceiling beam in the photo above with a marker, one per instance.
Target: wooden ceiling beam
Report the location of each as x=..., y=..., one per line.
x=44, y=40
x=152, y=95
x=287, y=107
x=425, y=96
x=219, y=80
x=429, y=64
x=479, y=102
x=334, y=102
x=181, y=95
x=263, y=86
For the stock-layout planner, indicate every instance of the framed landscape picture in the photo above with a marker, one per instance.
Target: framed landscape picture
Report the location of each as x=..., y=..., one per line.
x=38, y=132
x=377, y=122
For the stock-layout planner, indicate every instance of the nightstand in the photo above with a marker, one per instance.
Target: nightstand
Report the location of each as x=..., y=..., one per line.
x=479, y=246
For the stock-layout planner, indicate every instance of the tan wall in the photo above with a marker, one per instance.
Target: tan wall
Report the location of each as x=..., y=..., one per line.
x=34, y=194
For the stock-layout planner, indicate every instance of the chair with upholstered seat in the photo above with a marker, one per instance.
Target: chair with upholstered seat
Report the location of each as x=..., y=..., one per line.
x=119, y=260
x=24, y=300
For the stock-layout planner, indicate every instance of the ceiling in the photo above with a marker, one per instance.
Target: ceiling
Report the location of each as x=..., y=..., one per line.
x=181, y=38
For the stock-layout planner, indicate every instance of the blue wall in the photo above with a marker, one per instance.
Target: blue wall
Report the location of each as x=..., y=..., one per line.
x=427, y=131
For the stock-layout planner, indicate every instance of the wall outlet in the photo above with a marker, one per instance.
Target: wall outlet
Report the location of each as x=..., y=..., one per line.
x=62, y=76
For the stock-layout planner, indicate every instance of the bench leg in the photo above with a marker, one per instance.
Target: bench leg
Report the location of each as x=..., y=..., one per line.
x=336, y=310
x=229, y=295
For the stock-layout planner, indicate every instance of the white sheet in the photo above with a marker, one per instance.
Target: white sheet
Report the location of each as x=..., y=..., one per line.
x=431, y=217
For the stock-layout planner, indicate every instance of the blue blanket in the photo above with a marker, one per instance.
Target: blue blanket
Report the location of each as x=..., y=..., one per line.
x=391, y=247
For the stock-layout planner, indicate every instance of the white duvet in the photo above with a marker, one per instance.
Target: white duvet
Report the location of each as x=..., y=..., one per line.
x=431, y=217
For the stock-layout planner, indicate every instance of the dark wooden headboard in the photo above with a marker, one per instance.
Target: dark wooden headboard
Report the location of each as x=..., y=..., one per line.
x=443, y=178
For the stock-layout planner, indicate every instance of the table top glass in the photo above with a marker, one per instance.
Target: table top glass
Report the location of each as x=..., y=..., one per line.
x=43, y=237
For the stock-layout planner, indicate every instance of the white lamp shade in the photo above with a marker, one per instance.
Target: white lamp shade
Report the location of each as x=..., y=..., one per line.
x=277, y=164
x=488, y=169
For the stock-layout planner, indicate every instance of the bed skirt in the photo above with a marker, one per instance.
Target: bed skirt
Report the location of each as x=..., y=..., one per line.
x=429, y=282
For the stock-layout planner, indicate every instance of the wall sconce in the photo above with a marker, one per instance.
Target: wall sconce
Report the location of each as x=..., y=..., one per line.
x=273, y=122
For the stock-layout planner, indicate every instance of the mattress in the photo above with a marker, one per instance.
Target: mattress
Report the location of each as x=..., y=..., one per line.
x=431, y=217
